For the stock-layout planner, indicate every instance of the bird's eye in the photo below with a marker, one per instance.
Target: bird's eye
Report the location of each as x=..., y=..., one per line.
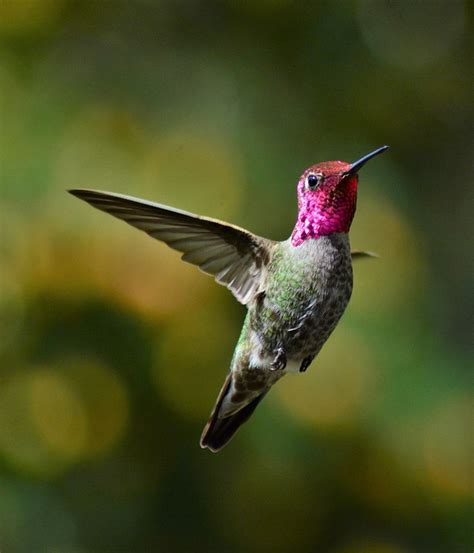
x=313, y=181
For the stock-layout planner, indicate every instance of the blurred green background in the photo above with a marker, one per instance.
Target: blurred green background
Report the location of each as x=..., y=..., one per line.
x=112, y=350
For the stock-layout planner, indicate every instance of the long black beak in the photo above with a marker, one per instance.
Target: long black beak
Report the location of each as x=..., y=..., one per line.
x=363, y=160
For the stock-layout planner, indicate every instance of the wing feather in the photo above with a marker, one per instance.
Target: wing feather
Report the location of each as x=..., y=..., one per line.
x=236, y=258
x=359, y=254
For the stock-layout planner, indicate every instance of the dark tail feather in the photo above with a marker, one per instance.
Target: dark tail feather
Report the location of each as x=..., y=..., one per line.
x=218, y=432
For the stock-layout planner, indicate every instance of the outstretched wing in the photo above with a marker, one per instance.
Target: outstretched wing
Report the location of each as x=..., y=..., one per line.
x=357, y=254
x=238, y=259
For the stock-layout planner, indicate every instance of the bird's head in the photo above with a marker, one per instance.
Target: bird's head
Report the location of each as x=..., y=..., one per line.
x=327, y=196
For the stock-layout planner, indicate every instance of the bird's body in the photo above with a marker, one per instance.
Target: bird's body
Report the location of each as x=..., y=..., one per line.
x=295, y=291
x=307, y=290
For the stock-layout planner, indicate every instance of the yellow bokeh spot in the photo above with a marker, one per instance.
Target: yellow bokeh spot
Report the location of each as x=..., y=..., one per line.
x=105, y=399
x=43, y=424
x=57, y=413
x=335, y=387
x=52, y=417
x=395, y=279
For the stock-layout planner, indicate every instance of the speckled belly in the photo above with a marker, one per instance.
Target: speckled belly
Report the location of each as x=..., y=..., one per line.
x=298, y=314
x=307, y=338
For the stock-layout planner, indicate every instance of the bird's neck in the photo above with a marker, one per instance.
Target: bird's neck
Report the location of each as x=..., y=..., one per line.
x=318, y=218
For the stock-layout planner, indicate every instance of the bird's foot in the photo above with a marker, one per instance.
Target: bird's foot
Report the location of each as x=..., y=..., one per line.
x=279, y=363
x=306, y=363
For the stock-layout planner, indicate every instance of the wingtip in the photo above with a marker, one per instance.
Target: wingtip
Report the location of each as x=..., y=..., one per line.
x=204, y=445
x=78, y=192
x=359, y=253
x=88, y=194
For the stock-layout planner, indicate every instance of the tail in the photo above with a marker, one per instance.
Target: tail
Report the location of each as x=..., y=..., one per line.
x=218, y=431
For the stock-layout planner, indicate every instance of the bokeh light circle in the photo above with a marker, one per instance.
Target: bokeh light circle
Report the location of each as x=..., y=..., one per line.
x=43, y=423
x=54, y=416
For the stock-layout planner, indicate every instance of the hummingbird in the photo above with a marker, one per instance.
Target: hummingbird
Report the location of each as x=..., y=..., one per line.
x=295, y=291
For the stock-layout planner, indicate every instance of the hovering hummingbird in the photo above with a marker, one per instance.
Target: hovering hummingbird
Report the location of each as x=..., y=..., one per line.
x=295, y=291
